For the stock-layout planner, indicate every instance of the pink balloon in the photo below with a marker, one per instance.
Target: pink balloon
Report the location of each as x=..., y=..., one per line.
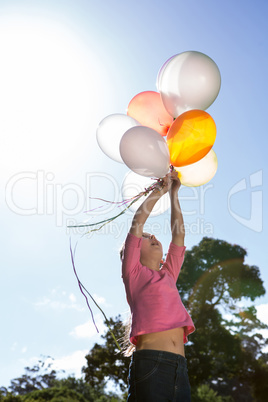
x=148, y=109
x=145, y=152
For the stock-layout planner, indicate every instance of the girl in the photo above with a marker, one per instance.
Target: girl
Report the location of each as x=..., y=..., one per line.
x=160, y=322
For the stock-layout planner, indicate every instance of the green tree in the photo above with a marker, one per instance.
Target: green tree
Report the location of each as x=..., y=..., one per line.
x=55, y=394
x=6, y=396
x=225, y=351
x=41, y=384
x=206, y=394
x=105, y=362
x=35, y=378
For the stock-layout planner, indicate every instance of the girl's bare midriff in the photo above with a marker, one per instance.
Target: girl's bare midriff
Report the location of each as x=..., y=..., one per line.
x=168, y=341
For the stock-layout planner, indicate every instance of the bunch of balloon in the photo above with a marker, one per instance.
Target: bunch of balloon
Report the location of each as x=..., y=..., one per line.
x=187, y=83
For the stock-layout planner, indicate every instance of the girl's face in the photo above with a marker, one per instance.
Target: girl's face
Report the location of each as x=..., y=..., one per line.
x=150, y=246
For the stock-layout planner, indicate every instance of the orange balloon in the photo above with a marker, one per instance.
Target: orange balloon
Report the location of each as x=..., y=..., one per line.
x=191, y=137
x=148, y=109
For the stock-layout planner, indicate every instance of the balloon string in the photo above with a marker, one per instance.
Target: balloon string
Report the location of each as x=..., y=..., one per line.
x=106, y=221
x=82, y=287
x=110, y=202
x=131, y=201
x=80, y=284
x=123, y=202
x=119, y=203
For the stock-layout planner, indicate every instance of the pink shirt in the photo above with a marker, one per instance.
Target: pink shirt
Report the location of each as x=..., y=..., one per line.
x=153, y=296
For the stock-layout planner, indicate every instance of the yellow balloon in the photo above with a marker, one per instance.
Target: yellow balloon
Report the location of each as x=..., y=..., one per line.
x=200, y=172
x=191, y=137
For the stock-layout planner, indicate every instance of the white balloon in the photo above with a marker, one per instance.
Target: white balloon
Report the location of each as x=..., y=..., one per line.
x=200, y=172
x=145, y=152
x=189, y=80
x=110, y=131
x=134, y=184
x=160, y=72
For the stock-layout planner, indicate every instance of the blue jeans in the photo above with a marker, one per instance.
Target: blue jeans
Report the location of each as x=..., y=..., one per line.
x=157, y=376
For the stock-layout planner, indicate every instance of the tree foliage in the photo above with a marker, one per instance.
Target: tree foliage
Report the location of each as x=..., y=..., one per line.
x=106, y=362
x=40, y=376
x=216, y=286
x=41, y=384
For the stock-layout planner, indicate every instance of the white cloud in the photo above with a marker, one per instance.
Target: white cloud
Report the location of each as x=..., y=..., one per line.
x=88, y=329
x=262, y=313
x=65, y=365
x=99, y=299
x=72, y=298
x=14, y=346
x=59, y=301
x=71, y=364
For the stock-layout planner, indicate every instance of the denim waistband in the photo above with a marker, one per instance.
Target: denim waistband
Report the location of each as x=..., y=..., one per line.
x=160, y=355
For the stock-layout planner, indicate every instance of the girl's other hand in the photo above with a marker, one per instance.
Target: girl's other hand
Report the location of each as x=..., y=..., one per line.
x=164, y=185
x=175, y=181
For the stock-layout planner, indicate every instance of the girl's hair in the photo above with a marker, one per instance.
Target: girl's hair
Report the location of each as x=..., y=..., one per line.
x=127, y=347
x=121, y=251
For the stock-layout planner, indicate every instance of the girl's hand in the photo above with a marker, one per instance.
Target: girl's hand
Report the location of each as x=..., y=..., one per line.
x=175, y=182
x=164, y=185
x=170, y=182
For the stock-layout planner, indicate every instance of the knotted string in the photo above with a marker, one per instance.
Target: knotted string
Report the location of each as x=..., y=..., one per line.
x=156, y=185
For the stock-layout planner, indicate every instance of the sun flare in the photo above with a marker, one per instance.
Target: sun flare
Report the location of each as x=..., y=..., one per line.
x=48, y=94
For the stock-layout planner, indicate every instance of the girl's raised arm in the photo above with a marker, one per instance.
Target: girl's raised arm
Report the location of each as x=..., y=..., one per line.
x=146, y=207
x=177, y=224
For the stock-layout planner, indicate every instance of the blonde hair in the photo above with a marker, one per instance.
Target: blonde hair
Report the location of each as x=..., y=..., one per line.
x=127, y=347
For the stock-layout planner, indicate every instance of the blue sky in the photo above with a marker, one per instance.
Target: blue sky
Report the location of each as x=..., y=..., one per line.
x=65, y=65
